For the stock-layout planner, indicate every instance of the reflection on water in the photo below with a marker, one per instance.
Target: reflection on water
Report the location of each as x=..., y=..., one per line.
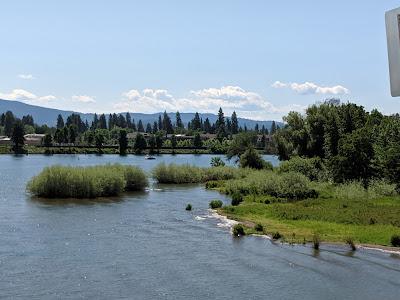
x=147, y=246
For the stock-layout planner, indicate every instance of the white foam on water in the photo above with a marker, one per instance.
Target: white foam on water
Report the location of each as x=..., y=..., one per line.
x=224, y=222
x=198, y=218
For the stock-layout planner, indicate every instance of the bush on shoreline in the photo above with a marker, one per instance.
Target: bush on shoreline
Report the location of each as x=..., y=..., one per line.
x=214, y=204
x=288, y=185
x=87, y=182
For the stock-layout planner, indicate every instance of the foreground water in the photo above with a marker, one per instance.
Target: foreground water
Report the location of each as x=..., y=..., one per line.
x=146, y=246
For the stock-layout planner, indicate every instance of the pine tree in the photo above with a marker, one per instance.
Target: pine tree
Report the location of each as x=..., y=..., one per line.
x=140, y=127
x=148, y=128
x=220, y=125
x=128, y=120
x=167, y=124
x=196, y=123
x=60, y=121
x=123, y=141
x=9, y=121
x=95, y=122
x=273, y=127
x=234, y=123
x=179, y=123
x=102, y=122
x=17, y=137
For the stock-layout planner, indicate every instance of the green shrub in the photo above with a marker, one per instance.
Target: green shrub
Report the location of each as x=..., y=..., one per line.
x=259, y=228
x=189, y=207
x=252, y=159
x=395, y=240
x=379, y=188
x=237, y=198
x=221, y=173
x=276, y=235
x=217, y=162
x=287, y=185
x=351, y=191
x=86, y=182
x=312, y=168
x=214, y=204
x=238, y=230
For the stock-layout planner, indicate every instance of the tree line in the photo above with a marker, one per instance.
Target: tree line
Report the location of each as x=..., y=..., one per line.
x=115, y=128
x=354, y=144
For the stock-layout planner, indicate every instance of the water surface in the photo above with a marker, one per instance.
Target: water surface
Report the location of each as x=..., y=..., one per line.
x=146, y=246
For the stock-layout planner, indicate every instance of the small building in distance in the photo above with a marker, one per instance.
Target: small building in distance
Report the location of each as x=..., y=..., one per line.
x=5, y=140
x=34, y=139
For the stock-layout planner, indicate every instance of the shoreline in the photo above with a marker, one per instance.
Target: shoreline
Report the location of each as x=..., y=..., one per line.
x=379, y=248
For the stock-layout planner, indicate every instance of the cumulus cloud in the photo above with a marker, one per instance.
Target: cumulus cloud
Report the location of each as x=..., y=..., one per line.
x=83, y=99
x=23, y=95
x=246, y=103
x=309, y=88
x=26, y=76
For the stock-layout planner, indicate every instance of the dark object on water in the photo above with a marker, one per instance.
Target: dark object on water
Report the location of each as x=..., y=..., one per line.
x=149, y=157
x=189, y=207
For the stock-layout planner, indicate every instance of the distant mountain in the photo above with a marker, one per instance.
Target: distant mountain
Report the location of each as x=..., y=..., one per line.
x=44, y=115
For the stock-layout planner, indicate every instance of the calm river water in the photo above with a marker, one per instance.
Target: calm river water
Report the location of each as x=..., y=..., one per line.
x=146, y=246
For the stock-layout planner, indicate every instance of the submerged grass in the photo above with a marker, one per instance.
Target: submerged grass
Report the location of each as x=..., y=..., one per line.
x=87, y=182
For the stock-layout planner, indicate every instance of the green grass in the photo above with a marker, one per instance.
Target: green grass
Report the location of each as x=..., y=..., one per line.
x=372, y=221
x=278, y=202
x=87, y=182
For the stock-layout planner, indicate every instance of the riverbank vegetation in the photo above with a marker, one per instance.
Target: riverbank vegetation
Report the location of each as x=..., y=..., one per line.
x=87, y=182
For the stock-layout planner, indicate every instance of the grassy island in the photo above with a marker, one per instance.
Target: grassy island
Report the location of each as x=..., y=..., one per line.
x=87, y=182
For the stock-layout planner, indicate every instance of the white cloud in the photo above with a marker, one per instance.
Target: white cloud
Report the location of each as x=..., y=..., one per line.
x=247, y=104
x=26, y=76
x=83, y=99
x=309, y=88
x=23, y=95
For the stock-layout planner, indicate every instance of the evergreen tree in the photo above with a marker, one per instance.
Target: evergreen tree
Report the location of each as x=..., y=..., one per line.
x=220, y=125
x=179, y=123
x=140, y=127
x=234, y=123
x=159, y=141
x=123, y=141
x=152, y=143
x=167, y=124
x=9, y=121
x=48, y=140
x=196, y=123
x=102, y=122
x=99, y=140
x=72, y=133
x=148, y=128
x=197, y=142
x=28, y=120
x=174, y=142
x=160, y=123
x=140, y=144
x=60, y=121
x=273, y=127
x=128, y=120
x=17, y=137
x=95, y=122
x=207, y=126
x=155, y=127
x=121, y=121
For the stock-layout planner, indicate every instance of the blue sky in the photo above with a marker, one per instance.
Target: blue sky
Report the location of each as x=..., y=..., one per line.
x=260, y=58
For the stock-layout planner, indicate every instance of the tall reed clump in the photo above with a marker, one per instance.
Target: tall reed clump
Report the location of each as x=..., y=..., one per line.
x=87, y=182
x=179, y=174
